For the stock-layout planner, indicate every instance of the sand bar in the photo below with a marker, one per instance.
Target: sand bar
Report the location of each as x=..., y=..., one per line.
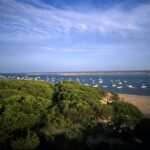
x=142, y=102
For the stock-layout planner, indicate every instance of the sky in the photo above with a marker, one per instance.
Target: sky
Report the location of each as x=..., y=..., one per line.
x=74, y=35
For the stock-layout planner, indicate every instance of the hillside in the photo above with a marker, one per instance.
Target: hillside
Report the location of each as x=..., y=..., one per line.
x=66, y=115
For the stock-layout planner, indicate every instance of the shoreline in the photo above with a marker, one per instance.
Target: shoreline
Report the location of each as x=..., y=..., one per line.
x=76, y=73
x=142, y=102
x=94, y=73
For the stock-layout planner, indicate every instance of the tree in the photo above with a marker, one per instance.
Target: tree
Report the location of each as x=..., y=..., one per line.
x=29, y=142
x=20, y=115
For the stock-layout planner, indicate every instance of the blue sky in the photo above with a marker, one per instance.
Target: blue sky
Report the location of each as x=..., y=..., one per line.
x=74, y=35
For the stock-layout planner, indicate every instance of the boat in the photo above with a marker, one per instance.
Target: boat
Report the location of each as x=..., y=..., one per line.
x=120, y=83
x=104, y=86
x=119, y=87
x=114, y=85
x=143, y=86
x=47, y=78
x=131, y=87
x=96, y=85
x=18, y=78
x=78, y=79
x=100, y=80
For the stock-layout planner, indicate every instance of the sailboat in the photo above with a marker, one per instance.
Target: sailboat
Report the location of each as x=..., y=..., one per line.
x=100, y=80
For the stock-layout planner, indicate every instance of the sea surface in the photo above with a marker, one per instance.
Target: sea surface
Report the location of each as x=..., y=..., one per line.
x=138, y=84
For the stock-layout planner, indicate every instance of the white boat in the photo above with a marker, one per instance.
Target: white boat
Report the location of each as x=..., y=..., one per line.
x=47, y=78
x=143, y=86
x=104, y=86
x=100, y=80
x=78, y=79
x=119, y=87
x=125, y=81
x=131, y=87
x=114, y=85
x=96, y=85
x=120, y=83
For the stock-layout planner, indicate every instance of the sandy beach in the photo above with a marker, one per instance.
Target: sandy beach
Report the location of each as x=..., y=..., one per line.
x=142, y=102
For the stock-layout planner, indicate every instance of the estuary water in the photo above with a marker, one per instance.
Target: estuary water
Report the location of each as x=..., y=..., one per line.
x=138, y=84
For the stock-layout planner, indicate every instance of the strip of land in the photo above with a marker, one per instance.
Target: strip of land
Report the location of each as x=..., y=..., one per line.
x=92, y=73
x=142, y=102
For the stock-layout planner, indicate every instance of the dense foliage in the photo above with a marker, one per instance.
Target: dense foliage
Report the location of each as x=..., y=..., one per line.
x=67, y=115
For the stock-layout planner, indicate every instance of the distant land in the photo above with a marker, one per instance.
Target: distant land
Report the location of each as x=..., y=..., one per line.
x=90, y=73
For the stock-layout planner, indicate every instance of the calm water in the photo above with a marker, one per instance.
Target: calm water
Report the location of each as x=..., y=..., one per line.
x=129, y=84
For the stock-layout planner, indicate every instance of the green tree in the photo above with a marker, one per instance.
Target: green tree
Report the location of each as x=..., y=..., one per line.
x=29, y=142
x=22, y=114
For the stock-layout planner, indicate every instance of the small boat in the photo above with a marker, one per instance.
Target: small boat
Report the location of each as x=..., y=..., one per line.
x=47, y=78
x=114, y=85
x=100, y=80
x=125, y=81
x=131, y=87
x=96, y=85
x=78, y=79
x=119, y=87
x=120, y=83
x=143, y=86
x=104, y=86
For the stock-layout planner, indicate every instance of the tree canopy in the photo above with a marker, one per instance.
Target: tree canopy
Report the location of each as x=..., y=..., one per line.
x=65, y=115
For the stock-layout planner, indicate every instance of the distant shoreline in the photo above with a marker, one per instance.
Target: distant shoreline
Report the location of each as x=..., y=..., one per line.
x=92, y=73
x=75, y=73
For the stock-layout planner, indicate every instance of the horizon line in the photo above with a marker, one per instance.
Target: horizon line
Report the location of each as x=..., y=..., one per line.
x=111, y=71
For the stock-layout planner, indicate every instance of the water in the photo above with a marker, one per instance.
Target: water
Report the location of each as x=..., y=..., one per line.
x=128, y=84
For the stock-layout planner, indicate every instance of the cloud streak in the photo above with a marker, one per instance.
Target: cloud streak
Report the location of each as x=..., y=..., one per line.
x=26, y=22
x=34, y=34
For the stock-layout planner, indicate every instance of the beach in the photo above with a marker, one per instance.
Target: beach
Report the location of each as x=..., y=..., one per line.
x=142, y=102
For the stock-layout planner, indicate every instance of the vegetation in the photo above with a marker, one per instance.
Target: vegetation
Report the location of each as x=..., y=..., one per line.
x=67, y=115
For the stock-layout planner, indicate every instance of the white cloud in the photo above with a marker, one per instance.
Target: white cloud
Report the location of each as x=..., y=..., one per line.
x=21, y=21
